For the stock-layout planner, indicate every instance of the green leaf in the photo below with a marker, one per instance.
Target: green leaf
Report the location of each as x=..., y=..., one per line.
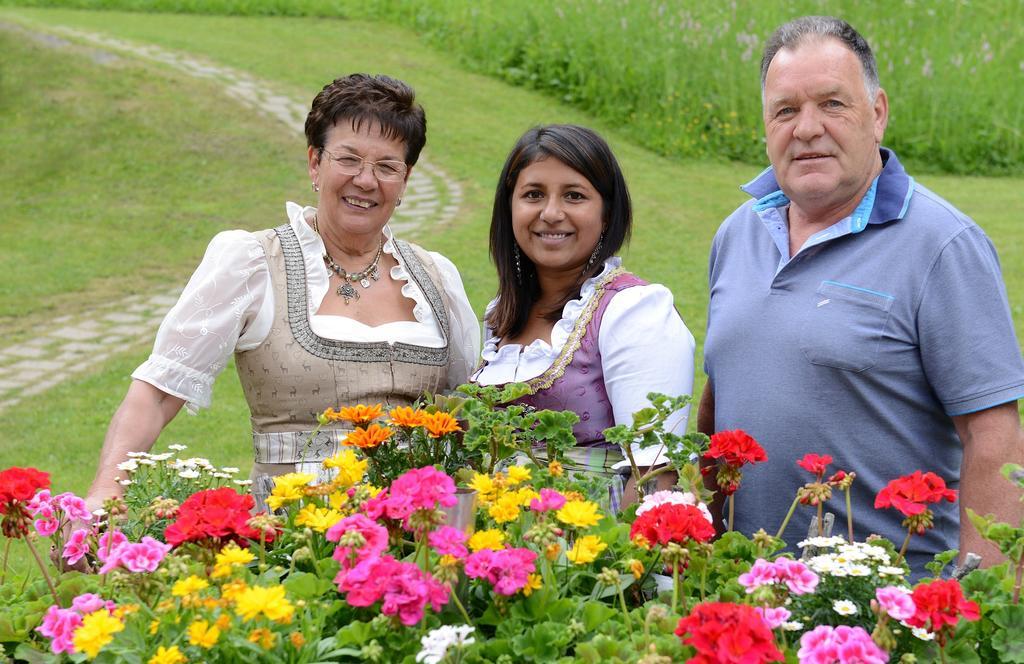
x=595, y=613
x=1008, y=639
x=304, y=585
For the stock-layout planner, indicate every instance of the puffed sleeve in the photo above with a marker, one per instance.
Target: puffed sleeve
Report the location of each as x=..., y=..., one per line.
x=465, y=326
x=227, y=305
x=645, y=347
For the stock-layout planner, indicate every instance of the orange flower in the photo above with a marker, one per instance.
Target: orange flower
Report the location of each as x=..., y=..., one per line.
x=370, y=437
x=555, y=468
x=359, y=415
x=440, y=423
x=404, y=416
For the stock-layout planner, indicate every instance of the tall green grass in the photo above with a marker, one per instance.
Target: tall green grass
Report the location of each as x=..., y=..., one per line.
x=681, y=77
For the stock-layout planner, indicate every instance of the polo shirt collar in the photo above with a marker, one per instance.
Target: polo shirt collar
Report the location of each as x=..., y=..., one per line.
x=892, y=190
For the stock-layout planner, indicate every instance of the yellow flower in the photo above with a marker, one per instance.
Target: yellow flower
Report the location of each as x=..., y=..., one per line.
x=231, y=590
x=518, y=474
x=230, y=556
x=201, y=634
x=525, y=495
x=288, y=488
x=532, y=583
x=189, y=586
x=168, y=656
x=406, y=417
x=124, y=610
x=484, y=487
x=487, y=539
x=350, y=468
x=505, y=509
x=585, y=549
x=370, y=437
x=440, y=423
x=317, y=518
x=579, y=513
x=153, y=626
x=297, y=639
x=636, y=567
x=264, y=637
x=359, y=415
x=555, y=468
x=97, y=630
x=271, y=602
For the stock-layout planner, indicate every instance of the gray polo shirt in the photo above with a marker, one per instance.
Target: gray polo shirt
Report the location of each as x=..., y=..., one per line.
x=861, y=346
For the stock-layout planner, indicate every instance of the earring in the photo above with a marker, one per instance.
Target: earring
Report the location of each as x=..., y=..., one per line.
x=519, y=269
x=594, y=254
x=398, y=202
x=314, y=186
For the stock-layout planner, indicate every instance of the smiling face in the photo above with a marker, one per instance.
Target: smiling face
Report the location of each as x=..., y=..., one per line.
x=822, y=129
x=356, y=205
x=557, y=216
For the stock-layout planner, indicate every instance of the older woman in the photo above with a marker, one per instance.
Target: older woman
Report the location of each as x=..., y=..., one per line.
x=328, y=309
x=568, y=320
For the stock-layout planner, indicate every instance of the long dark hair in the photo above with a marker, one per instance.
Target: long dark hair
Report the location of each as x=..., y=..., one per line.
x=584, y=151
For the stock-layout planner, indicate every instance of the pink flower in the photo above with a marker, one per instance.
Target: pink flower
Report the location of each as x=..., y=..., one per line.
x=109, y=541
x=41, y=504
x=549, y=500
x=375, y=537
x=144, y=556
x=507, y=570
x=77, y=546
x=404, y=588
x=896, y=601
x=659, y=498
x=447, y=540
x=773, y=617
x=74, y=507
x=843, y=644
x=419, y=489
x=762, y=573
x=60, y=625
x=46, y=526
x=797, y=576
x=87, y=603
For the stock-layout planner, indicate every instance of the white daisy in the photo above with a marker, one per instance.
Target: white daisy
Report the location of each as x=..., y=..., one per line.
x=792, y=626
x=124, y=482
x=922, y=633
x=189, y=474
x=438, y=641
x=821, y=542
x=844, y=607
x=229, y=469
x=243, y=482
x=128, y=466
x=162, y=457
x=859, y=570
x=147, y=462
x=886, y=570
x=177, y=447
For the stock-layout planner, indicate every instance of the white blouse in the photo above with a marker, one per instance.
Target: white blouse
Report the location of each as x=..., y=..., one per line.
x=644, y=344
x=228, y=306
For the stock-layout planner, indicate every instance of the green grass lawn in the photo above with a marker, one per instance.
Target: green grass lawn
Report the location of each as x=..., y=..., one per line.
x=117, y=176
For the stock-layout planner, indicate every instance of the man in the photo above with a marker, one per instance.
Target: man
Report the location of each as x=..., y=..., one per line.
x=855, y=313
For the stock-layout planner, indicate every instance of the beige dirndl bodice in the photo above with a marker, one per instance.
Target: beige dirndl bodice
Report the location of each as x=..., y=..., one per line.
x=296, y=375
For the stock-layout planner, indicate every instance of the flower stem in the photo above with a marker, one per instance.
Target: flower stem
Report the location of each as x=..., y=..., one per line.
x=821, y=520
x=460, y=607
x=906, y=543
x=942, y=654
x=675, y=585
x=789, y=515
x=704, y=577
x=849, y=516
x=625, y=609
x=7, y=554
x=732, y=507
x=42, y=568
x=1017, y=581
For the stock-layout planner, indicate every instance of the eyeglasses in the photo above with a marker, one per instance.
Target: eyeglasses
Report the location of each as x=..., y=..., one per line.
x=386, y=170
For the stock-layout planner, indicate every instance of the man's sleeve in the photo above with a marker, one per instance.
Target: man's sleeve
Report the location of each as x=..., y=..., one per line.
x=968, y=346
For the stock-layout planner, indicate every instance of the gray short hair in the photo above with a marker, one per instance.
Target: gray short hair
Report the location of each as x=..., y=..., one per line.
x=796, y=32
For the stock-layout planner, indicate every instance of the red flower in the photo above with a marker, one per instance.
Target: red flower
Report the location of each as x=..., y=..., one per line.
x=671, y=523
x=20, y=484
x=735, y=448
x=219, y=514
x=17, y=487
x=727, y=633
x=909, y=493
x=815, y=463
x=940, y=604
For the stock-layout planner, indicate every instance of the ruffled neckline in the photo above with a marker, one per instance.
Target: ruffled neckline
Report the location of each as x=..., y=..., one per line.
x=539, y=348
x=318, y=278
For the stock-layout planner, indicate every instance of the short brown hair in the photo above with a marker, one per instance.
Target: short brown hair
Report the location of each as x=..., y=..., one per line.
x=363, y=99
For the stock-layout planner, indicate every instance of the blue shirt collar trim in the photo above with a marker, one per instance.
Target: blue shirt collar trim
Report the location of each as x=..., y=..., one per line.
x=889, y=195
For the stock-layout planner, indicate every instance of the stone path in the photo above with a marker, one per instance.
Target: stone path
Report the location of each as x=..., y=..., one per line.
x=73, y=345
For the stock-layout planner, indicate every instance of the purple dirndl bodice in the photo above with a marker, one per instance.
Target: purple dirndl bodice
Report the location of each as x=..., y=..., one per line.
x=576, y=380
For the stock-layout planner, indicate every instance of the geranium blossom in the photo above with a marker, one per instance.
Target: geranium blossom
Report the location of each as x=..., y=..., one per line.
x=797, y=576
x=418, y=489
x=549, y=500
x=17, y=487
x=815, y=463
x=108, y=543
x=450, y=541
x=675, y=498
x=60, y=625
x=374, y=536
x=403, y=588
x=939, y=605
x=142, y=556
x=217, y=515
x=827, y=645
x=896, y=602
x=722, y=632
x=735, y=448
x=671, y=522
x=508, y=570
x=774, y=617
x=910, y=493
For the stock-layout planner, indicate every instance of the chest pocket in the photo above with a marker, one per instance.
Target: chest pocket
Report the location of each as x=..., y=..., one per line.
x=843, y=326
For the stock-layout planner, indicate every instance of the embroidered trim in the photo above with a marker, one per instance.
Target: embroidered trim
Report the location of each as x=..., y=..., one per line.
x=572, y=344
x=351, y=351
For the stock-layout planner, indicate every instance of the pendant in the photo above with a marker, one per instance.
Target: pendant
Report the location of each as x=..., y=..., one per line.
x=374, y=274
x=346, y=291
x=364, y=282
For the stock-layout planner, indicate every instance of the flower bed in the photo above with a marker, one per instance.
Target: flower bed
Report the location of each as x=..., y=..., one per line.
x=367, y=567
